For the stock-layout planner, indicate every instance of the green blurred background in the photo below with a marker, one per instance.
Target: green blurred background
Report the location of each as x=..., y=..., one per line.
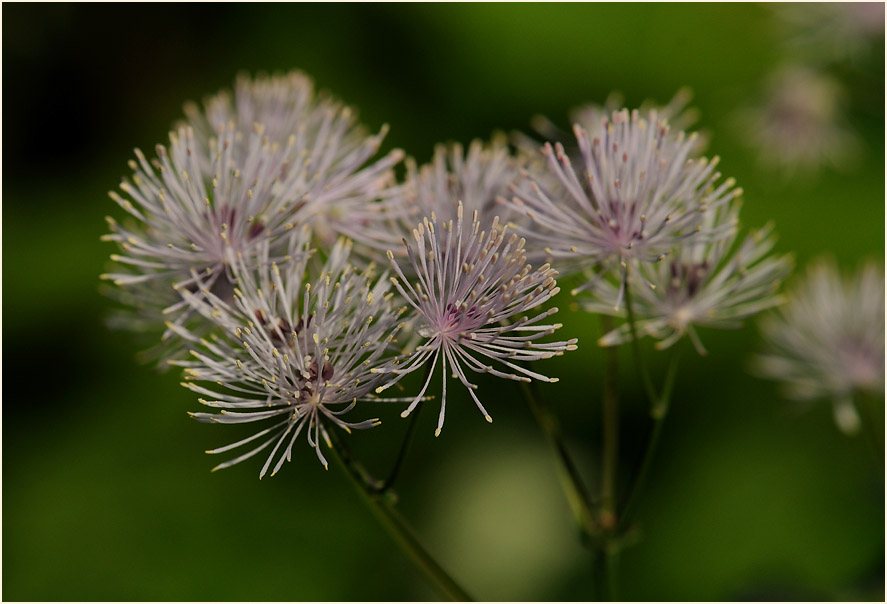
x=107, y=494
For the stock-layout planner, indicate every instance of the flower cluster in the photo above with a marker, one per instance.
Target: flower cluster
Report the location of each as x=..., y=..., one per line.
x=255, y=242
x=636, y=210
x=233, y=179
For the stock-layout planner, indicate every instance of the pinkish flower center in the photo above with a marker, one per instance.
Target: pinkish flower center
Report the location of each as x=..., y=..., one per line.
x=457, y=319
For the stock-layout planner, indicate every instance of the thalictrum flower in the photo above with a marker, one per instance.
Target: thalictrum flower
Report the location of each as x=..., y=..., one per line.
x=828, y=340
x=203, y=202
x=471, y=286
x=476, y=179
x=294, y=353
x=327, y=146
x=711, y=284
x=637, y=195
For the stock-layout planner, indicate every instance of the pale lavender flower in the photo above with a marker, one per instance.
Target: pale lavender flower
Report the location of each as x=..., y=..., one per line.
x=476, y=179
x=326, y=145
x=179, y=223
x=283, y=103
x=828, y=340
x=296, y=354
x=470, y=289
x=203, y=202
x=637, y=195
x=799, y=125
x=708, y=284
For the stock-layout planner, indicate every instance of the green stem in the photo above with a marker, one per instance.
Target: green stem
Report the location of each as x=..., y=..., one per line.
x=612, y=562
x=867, y=406
x=367, y=481
x=570, y=478
x=636, y=348
x=405, y=445
x=396, y=527
x=658, y=413
x=602, y=575
x=610, y=453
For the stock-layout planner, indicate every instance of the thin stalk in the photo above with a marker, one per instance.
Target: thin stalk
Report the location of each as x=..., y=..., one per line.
x=368, y=482
x=570, y=478
x=610, y=453
x=397, y=528
x=601, y=575
x=373, y=484
x=636, y=348
x=401, y=456
x=612, y=562
x=867, y=406
x=658, y=413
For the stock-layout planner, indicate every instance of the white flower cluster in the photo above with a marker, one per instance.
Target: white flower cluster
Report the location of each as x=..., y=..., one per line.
x=294, y=277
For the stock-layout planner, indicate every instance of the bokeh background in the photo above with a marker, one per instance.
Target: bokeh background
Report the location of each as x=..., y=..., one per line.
x=107, y=494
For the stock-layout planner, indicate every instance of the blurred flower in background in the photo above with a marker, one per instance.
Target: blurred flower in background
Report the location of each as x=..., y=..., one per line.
x=828, y=340
x=327, y=152
x=799, y=125
x=476, y=178
x=831, y=31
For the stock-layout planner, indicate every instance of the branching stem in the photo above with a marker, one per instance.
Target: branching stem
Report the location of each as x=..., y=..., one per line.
x=570, y=478
x=396, y=526
x=658, y=413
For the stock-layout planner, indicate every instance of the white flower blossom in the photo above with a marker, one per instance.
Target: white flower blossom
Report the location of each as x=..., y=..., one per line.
x=294, y=353
x=471, y=286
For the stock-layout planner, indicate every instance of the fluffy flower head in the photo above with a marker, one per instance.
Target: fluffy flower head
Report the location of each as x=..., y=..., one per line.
x=594, y=117
x=471, y=286
x=799, y=125
x=636, y=195
x=326, y=145
x=710, y=283
x=294, y=353
x=476, y=179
